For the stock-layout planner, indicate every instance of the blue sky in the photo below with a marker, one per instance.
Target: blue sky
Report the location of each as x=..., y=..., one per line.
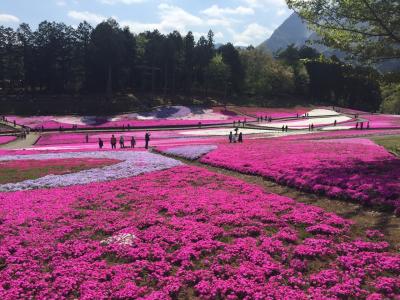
x=242, y=22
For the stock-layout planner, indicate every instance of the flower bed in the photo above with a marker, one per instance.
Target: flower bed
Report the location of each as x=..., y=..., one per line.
x=163, y=116
x=191, y=152
x=304, y=123
x=20, y=170
x=183, y=233
x=362, y=172
x=4, y=139
x=78, y=138
x=271, y=112
x=383, y=121
x=133, y=163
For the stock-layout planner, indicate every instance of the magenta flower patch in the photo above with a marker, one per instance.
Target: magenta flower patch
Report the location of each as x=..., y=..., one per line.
x=178, y=232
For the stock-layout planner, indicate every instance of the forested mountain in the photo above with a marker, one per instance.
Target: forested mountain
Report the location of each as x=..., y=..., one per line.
x=294, y=31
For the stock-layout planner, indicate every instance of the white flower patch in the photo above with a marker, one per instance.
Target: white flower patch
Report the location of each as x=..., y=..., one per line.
x=224, y=131
x=190, y=152
x=126, y=239
x=302, y=124
x=132, y=164
x=322, y=112
x=333, y=128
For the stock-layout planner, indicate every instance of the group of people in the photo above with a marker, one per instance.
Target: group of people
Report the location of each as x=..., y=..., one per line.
x=238, y=123
x=266, y=118
x=311, y=127
x=360, y=125
x=285, y=128
x=113, y=141
x=237, y=137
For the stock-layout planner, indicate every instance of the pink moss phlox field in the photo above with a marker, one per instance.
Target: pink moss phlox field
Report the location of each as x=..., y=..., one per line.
x=341, y=134
x=383, y=121
x=363, y=172
x=4, y=139
x=183, y=233
x=76, y=138
x=163, y=116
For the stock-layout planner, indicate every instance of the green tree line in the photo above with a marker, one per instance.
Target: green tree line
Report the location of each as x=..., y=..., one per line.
x=107, y=60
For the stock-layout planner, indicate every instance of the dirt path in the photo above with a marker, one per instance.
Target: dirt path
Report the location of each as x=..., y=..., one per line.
x=22, y=143
x=364, y=218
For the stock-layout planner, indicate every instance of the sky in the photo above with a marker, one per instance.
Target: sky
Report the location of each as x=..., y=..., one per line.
x=242, y=22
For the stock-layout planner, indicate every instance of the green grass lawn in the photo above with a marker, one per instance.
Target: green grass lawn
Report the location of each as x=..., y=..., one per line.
x=391, y=143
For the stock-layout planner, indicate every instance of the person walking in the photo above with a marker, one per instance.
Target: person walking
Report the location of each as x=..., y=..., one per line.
x=362, y=125
x=133, y=142
x=286, y=128
x=235, y=137
x=113, y=142
x=240, y=137
x=230, y=137
x=283, y=128
x=101, y=143
x=356, y=125
x=334, y=123
x=87, y=138
x=147, y=140
x=312, y=127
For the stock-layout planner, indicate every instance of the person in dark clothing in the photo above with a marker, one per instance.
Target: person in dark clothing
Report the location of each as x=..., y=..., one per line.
x=357, y=125
x=101, y=143
x=368, y=125
x=113, y=142
x=312, y=127
x=133, y=142
x=121, y=142
x=147, y=140
x=230, y=137
x=334, y=123
x=286, y=129
x=362, y=125
x=240, y=138
x=283, y=128
x=87, y=138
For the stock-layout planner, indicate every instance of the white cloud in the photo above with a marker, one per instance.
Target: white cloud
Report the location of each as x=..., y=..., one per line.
x=113, y=2
x=6, y=18
x=138, y=27
x=86, y=16
x=216, y=11
x=171, y=18
x=253, y=34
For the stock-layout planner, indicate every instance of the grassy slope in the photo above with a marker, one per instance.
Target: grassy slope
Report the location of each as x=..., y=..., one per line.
x=391, y=143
